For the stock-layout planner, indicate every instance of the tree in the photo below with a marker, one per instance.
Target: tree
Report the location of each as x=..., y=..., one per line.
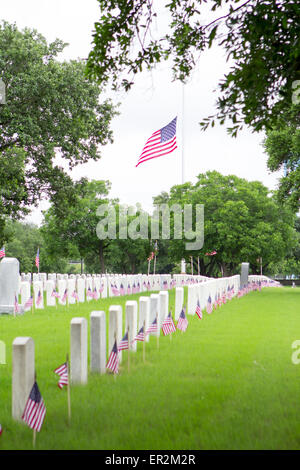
x=24, y=240
x=241, y=223
x=51, y=109
x=260, y=38
x=282, y=146
x=71, y=231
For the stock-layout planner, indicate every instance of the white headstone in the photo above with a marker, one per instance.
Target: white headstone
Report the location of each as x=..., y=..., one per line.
x=144, y=313
x=9, y=284
x=115, y=327
x=25, y=293
x=78, y=369
x=38, y=294
x=23, y=374
x=50, y=299
x=81, y=289
x=179, y=297
x=98, y=342
x=163, y=306
x=131, y=321
x=154, y=311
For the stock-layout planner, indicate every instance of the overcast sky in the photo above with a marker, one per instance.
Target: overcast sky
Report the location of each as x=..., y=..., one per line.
x=151, y=104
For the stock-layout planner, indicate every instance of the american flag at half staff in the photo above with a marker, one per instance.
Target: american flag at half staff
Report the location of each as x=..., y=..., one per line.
x=161, y=142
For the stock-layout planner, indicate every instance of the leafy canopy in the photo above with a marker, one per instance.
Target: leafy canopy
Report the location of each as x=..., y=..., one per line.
x=260, y=38
x=51, y=109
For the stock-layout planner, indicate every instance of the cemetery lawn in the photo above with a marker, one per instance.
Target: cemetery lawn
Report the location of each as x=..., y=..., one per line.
x=228, y=382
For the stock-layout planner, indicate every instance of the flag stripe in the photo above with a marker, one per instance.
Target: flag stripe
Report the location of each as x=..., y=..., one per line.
x=158, y=152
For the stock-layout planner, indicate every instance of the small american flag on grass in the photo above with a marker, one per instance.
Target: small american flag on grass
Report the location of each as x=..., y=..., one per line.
x=75, y=295
x=124, y=344
x=198, y=310
x=28, y=303
x=62, y=371
x=64, y=297
x=161, y=142
x=152, y=328
x=95, y=294
x=39, y=298
x=168, y=326
x=140, y=336
x=182, y=323
x=113, y=360
x=16, y=305
x=55, y=294
x=209, y=305
x=2, y=252
x=89, y=293
x=122, y=290
x=34, y=412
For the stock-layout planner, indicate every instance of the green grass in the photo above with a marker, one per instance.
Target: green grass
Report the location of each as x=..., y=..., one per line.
x=228, y=382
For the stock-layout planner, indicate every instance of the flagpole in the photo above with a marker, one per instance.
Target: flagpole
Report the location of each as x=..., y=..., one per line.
x=144, y=346
x=117, y=354
x=157, y=333
x=182, y=136
x=128, y=348
x=34, y=430
x=68, y=390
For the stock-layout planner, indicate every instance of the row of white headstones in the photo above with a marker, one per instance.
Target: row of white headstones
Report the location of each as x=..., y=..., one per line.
x=102, y=286
x=137, y=314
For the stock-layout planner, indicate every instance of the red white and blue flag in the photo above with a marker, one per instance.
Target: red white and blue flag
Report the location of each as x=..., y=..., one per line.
x=152, y=328
x=16, y=305
x=64, y=297
x=95, y=294
x=113, y=360
x=161, y=142
x=39, y=298
x=182, y=321
x=122, y=290
x=28, y=303
x=35, y=410
x=168, y=326
x=140, y=336
x=75, y=296
x=124, y=344
x=2, y=252
x=55, y=294
x=209, y=305
x=198, y=310
x=62, y=371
